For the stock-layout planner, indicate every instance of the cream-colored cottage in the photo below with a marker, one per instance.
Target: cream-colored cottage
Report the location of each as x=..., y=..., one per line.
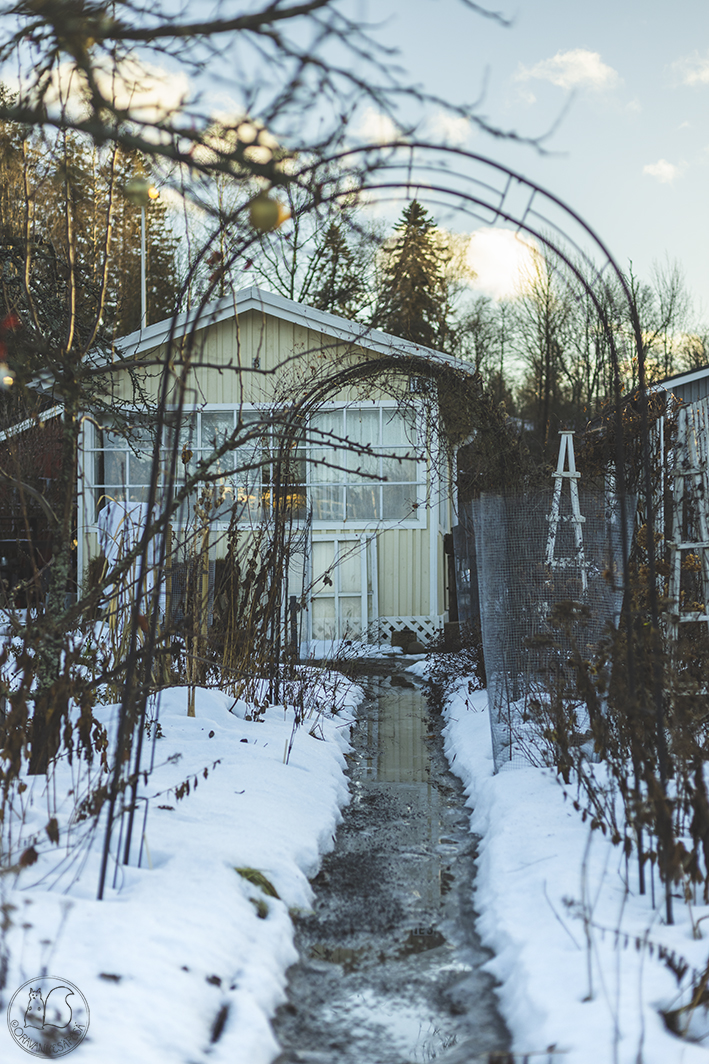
x=370, y=517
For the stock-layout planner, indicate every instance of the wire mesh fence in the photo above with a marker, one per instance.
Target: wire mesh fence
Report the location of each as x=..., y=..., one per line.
x=548, y=584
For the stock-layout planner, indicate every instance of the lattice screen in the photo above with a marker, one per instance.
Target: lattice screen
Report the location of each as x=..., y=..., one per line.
x=526, y=657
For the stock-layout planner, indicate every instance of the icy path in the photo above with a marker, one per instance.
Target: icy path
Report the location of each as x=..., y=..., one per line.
x=390, y=969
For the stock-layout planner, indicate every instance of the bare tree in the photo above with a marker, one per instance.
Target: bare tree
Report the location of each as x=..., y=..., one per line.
x=542, y=325
x=255, y=103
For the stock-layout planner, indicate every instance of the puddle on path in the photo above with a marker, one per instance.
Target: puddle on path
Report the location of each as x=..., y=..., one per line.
x=390, y=961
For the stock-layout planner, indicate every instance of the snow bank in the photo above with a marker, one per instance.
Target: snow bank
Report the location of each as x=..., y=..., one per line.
x=346, y=649
x=539, y=874
x=171, y=945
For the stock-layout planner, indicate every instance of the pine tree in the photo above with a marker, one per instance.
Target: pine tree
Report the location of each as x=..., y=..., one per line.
x=413, y=299
x=57, y=192
x=338, y=283
x=11, y=184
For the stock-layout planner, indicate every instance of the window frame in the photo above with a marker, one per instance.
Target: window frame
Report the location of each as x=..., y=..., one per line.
x=417, y=519
x=95, y=454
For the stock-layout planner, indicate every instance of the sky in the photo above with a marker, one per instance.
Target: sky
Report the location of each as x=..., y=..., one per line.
x=617, y=90
x=610, y=100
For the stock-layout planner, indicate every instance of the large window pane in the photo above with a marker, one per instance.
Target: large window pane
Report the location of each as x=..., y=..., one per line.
x=322, y=461
x=324, y=618
x=112, y=439
x=351, y=616
x=223, y=500
x=115, y=467
x=326, y=423
x=187, y=436
x=139, y=467
x=349, y=569
x=323, y=559
x=216, y=426
x=363, y=426
x=244, y=462
x=362, y=466
x=394, y=469
x=248, y=467
x=249, y=501
x=327, y=503
x=398, y=501
x=398, y=428
x=363, y=503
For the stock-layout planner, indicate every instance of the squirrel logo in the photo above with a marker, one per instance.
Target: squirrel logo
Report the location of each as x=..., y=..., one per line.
x=48, y=1016
x=54, y=1012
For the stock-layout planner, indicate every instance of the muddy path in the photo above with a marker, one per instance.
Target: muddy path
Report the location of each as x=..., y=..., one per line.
x=390, y=969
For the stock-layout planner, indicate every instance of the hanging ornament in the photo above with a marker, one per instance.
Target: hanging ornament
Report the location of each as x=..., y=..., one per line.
x=266, y=214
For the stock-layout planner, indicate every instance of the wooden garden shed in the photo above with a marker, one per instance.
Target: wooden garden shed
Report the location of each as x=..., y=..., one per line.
x=375, y=497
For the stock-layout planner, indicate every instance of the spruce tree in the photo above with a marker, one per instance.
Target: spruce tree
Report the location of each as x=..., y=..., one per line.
x=413, y=298
x=59, y=190
x=338, y=284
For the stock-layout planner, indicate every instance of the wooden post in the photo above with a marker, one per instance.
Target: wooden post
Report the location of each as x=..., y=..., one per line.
x=204, y=597
x=293, y=610
x=166, y=670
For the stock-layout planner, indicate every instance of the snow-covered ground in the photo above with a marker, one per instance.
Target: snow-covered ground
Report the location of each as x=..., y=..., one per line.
x=584, y=963
x=348, y=649
x=583, y=960
x=170, y=947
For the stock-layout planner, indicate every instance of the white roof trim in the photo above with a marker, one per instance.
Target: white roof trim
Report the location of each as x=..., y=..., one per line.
x=260, y=300
x=30, y=422
x=683, y=378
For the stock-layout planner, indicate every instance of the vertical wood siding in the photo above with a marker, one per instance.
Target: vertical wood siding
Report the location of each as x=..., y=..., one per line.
x=224, y=372
x=403, y=568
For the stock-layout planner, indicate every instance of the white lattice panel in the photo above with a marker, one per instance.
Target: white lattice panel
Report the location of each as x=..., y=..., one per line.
x=423, y=627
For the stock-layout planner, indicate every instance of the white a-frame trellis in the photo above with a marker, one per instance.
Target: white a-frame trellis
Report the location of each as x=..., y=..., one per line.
x=689, y=546
x=578, y=560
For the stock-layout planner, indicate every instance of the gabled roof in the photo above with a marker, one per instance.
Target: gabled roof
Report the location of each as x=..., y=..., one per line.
x=264, y=302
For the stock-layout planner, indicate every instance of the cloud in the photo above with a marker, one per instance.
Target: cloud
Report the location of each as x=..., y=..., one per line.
x=446, y=128
x=150, y=93
x=502, y=261
x=375, y=128
x=693, y=69
x=576, y=69
x=663, y=171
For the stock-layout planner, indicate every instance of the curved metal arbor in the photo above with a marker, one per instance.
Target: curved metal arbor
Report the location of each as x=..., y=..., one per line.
x=482, y=192
x=463, y=185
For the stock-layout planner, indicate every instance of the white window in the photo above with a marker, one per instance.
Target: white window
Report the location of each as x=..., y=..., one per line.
x=363, y=467
x=122, y=471
x=343, y=595
x=358, y=465
x=244, y=475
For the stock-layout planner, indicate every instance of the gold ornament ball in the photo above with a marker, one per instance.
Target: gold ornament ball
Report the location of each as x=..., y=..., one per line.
x=266, y=214
x=140, y=190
